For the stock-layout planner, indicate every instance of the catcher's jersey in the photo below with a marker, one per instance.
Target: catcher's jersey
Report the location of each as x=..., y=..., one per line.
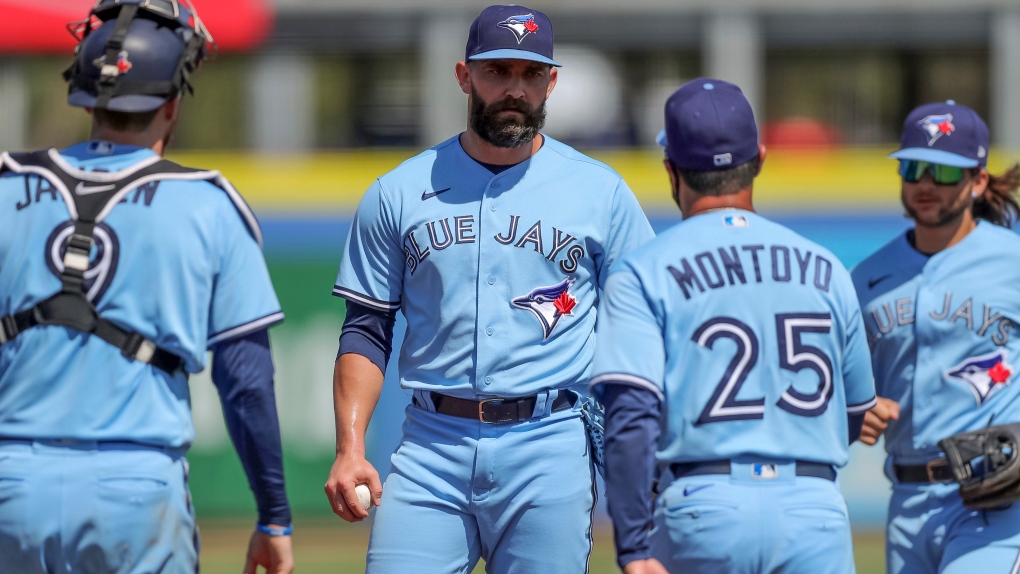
x=177, y=261
x=498, y=276
x=750, y=335
x=941, y=335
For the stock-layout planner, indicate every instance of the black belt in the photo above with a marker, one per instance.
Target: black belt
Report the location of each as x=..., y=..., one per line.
x=936, y=471
x=804, y=468
x=498, y=410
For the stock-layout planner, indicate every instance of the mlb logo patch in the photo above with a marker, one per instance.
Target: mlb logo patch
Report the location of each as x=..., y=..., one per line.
x=735, y=221
x=763, y=471
x=722, y=159
x=100, y=148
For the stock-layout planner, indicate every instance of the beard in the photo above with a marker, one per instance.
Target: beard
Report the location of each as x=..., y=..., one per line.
x=507, y=132
x=944, y=216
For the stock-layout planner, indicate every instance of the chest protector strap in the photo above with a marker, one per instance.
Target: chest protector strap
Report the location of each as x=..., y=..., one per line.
x=89, y=201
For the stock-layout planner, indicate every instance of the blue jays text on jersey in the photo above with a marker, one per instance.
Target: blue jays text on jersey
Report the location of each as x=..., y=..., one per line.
x=178, y=261
x=778, y=351
x=482, y=264
x=940, y=331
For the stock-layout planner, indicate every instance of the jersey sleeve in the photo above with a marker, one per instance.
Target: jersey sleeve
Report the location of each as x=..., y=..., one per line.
x=628, y=229
x=630, y=348
x=372, y=268
x=858, y=379
x=243, y=299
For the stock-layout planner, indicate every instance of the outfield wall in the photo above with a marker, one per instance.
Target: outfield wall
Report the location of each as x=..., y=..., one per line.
x=845, y=200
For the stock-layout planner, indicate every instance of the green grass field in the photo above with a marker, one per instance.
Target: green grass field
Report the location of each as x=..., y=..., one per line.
x=333, y=547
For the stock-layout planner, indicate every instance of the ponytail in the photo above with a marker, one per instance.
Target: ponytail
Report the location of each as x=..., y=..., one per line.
x=999, y=204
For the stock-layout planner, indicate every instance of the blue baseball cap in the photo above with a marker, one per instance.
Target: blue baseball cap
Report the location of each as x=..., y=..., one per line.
x=511, y=32
x=944, y=133
x=709, y=127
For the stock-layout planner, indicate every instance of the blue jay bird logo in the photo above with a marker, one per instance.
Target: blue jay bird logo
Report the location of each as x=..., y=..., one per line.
x=937, y=126
x=983, y=374
x=521, y=26
x=548, y=304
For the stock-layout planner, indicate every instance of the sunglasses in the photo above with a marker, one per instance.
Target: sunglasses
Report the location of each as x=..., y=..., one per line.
x=912, y=170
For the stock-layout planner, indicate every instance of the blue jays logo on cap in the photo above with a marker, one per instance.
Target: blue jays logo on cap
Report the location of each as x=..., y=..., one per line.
x=124, y=65
x=983, y=374
x=548, y=304
x=937, y=126
x=521, y=26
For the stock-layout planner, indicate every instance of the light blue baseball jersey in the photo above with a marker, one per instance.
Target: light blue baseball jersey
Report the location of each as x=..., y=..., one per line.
x=750, y=335
x=178, y=261
x=498, y=276
x=941, y=335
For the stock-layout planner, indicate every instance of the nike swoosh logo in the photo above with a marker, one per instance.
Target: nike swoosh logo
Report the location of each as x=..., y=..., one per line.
x=689, y=490
x=426, y=195
x=82, y=189
x=877, y=280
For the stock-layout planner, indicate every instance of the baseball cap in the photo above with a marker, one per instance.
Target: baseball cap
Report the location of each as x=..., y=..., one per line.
x=511, y=32
x=945, y=133
x=709, y=127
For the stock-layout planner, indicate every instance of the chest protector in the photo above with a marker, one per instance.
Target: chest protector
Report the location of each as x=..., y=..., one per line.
x=90, y=196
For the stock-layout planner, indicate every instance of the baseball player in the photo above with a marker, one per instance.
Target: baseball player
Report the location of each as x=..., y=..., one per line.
x=118, y=270
x=495, y=245
x=732, y=361
x=940, y=303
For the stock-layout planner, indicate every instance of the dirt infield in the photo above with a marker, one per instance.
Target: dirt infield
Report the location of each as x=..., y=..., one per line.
x=329, y=546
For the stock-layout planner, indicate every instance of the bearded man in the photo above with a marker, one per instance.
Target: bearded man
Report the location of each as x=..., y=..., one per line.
x=495, y=245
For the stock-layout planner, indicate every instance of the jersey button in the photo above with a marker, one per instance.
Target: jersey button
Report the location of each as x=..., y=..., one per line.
x=491, y=280
x=492, y=207
x=488, y=380
x=495, y=185
x=488, y=331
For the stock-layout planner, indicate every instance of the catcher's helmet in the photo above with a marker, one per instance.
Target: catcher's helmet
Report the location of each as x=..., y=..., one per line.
x=135, y=55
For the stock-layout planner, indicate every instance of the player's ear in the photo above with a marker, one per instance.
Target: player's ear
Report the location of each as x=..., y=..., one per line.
x=171, y=109
x=463, y=73
x=673, y=183
x=979, y=184
x=761, y=158
x=553, y=75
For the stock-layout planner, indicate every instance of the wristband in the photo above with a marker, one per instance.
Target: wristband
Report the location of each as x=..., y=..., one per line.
x=274, y=531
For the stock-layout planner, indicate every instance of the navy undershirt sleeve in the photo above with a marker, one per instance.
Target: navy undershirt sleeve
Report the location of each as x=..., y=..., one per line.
x=855, y=424
x=368, y=332
x=242, y=370
x=632, y=436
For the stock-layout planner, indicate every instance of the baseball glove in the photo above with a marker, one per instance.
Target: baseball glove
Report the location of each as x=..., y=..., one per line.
x=594, y=416
x=986, y=463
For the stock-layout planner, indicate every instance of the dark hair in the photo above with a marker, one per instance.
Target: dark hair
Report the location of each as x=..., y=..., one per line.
x=124, y=121
x=999, y=204
x=722, y=182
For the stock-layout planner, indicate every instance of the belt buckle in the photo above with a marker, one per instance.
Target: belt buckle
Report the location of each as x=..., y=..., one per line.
x=481, y=409
x=930, y=469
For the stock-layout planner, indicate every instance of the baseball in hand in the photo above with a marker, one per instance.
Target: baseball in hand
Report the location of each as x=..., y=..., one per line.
x=364, y=496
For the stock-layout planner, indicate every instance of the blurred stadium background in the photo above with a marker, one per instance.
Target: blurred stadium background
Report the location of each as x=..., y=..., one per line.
x=309, y=100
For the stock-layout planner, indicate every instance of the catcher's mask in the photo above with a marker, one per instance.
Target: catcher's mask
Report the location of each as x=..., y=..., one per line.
x=135, y=55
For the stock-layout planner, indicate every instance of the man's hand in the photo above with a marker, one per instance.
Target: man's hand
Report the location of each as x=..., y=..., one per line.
x=647, y=566
x=274, y=553
x=349, y=471
x=877, y=419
